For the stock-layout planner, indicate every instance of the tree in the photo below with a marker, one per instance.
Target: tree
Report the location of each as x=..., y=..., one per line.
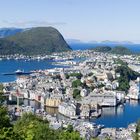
x=31, y=127
x=121, y=62
x=4, y=118
x=1, y=88
x=77, y=75
x=9, y=134
x=138, y=126
x=2, y=98
x=67, y=76
x=70, y=128
x=76, y=83
x=135, y=136
x=126, y=74
x=64, y=135
x=76, y=93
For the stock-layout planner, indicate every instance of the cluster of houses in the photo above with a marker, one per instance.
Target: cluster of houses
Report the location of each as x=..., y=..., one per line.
x=97, y=87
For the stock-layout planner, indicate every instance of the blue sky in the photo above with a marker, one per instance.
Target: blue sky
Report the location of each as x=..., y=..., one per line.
x=86, y=20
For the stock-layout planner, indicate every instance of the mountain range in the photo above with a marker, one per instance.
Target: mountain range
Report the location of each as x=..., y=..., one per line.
x=107, y=42
x=5, y=32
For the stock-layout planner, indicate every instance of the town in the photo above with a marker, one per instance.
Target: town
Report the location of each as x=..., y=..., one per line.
x=91, y=81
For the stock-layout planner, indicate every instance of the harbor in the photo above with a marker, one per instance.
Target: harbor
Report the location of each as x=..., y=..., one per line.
x=89, y=94
x=119, y=116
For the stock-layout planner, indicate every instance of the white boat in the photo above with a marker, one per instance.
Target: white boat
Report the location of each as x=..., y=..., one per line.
x=19, y=71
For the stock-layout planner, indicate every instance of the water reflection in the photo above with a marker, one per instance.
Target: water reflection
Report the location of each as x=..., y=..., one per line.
x=37, y=105
x=32, y=103
x=134, y=102
x=120, y=109
x=121, y=115
x=112, y=111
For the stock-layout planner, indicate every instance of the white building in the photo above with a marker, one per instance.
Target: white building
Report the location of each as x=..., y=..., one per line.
x=67, y=109
x=105, y=99
x=84, y=92
x=134, y=91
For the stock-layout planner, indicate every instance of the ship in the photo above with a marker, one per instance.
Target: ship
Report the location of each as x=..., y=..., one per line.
x=19, y=72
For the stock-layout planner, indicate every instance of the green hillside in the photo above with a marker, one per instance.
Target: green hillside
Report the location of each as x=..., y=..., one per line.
x=102, y=49
x=40, y=40
x=120, y=50
x=115, y=50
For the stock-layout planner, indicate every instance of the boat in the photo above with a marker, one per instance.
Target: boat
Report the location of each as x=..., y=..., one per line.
x=19, y=72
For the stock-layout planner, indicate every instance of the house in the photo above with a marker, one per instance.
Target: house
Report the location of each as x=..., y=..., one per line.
x=67, y=109
x=53, y=102
x=84, y=92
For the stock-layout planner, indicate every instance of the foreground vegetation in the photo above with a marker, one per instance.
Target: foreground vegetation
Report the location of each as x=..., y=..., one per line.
x=31, y=127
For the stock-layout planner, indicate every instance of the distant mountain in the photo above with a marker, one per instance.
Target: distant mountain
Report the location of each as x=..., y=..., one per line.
x=5, y=32
x=116, y=42
x=107, y=42
x=77, y=41
x=74, y=41
x=39, y=40
x=115, y=50
x=121, y=50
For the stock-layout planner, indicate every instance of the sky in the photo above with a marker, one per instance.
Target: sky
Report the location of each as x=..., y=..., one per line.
x=86, y=20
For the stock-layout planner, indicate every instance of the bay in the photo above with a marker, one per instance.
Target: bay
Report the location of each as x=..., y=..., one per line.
x=83, y=46
x=117, y=117
x=10, y=66
x=120, y=116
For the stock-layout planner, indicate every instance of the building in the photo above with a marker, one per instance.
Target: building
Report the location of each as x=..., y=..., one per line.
x=104, y=99
x=67, y=109
x=53, y=102
x=134, y=91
